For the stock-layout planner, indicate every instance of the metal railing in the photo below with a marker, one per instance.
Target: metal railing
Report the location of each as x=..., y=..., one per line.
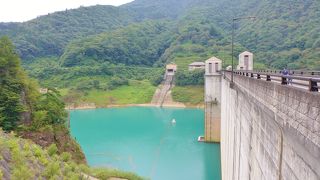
x=301, y=79
x=291, y=72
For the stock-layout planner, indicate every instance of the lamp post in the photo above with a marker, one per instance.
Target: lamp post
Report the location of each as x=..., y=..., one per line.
x=232, y=40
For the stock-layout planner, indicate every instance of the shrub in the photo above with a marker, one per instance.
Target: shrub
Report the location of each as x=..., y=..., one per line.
x=52, y=149
x=188, y=94
x=73, y=166
x=39, y=119
x=117, y=82
x=1, y=175
x=37, y=151
x=12, y=144
x=52, y=170
x=87, y=85
x=185, y=78
x=108, y=173
x=21, y=172
x=73, y=176
x=156, y=80
x=43, y=160
x=66, y=169
x=84, y=168
x=66, y=156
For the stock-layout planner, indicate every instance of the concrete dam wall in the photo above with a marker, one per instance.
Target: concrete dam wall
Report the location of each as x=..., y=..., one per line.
x=268, y=131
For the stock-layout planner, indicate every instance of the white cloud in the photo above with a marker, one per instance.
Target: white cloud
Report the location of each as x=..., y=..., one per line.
x=23, y=10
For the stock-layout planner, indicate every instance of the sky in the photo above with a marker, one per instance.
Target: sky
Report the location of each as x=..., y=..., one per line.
x=24, y=10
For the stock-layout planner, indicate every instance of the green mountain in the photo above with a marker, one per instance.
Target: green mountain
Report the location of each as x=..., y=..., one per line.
x=286, y=33
x=48, y=35
x=138, y=44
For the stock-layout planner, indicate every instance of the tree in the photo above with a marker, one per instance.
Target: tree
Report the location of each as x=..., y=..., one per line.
x=185, y=78
x=52, y=107
x=11, y=86
x=18, y=94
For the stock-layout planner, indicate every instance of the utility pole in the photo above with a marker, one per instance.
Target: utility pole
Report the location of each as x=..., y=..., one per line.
x=232, y=42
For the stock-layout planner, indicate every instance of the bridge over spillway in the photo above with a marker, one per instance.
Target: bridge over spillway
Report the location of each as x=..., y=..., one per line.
x=269, y=123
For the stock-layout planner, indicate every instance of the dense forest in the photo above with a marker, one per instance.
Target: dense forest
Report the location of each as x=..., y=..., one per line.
x=285, y=33
x=19, y=95
x=138, y=44
x=28, y=112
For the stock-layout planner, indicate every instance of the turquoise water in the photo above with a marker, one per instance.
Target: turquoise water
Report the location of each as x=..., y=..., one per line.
x=143, y=140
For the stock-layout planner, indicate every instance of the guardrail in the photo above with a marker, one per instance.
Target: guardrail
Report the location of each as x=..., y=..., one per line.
x=305, y=82
x=291, y=72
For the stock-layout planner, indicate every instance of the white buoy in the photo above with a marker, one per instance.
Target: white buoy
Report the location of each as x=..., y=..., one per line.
x=201, y=139
x=173, y=121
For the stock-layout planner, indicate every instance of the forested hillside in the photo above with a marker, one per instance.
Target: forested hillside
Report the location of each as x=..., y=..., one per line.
x=39, y=117
x=284, y=34
x=139, y=44
x=48, y=35
x=42, y=119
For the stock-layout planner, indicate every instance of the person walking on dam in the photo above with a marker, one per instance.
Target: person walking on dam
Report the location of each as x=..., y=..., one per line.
x=285, y=72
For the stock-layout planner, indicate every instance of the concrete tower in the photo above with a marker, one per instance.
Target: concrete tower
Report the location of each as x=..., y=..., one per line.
x=245, y=61
x=212, y=99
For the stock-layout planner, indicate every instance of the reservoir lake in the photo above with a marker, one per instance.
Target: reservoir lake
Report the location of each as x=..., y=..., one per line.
x=144, y=140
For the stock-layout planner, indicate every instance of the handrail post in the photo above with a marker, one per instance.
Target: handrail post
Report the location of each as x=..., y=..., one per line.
x=284, y=80
x=268, y=78
x=313, y=86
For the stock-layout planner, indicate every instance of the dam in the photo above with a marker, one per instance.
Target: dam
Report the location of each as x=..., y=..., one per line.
x=268, y=123
x=269, y=130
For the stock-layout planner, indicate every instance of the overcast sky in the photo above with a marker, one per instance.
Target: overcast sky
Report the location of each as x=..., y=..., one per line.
x=23, y=10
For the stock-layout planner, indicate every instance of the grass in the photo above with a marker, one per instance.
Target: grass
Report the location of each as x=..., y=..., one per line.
x=137, y=92
x=65, y=81
x=188, y=53
x=64, y=92
x=183, y=62
x=193, y=95
x=109, y=173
